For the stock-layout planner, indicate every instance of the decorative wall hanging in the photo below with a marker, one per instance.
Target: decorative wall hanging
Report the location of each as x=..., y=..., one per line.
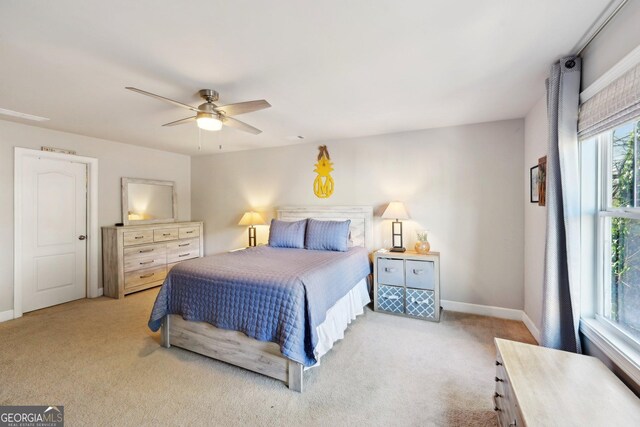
x=323, y=184
x=542, y=181
x=533, y=183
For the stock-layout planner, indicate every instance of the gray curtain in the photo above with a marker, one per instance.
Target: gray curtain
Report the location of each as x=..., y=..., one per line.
x=561, y=294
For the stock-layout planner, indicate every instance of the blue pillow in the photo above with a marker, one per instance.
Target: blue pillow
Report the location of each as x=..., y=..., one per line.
x=327, y=235
x=287, y=234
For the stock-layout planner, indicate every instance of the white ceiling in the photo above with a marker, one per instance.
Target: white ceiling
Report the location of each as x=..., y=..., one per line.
x=332, y=69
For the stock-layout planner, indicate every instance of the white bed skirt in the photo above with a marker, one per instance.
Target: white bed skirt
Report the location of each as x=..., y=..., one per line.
x=339, y=317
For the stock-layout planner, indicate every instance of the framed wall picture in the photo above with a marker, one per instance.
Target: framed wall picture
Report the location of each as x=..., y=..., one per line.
x=533, y=184
x=542, y=181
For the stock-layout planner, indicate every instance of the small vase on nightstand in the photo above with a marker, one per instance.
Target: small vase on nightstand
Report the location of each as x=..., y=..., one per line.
x=422, y=245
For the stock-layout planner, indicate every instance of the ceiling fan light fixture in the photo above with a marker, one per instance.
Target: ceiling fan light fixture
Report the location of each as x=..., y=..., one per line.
x=208, y=121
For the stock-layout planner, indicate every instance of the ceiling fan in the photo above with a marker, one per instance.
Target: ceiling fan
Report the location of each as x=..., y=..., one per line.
x=210, y=116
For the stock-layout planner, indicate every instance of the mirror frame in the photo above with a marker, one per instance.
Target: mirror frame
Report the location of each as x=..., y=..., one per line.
x=125, y=200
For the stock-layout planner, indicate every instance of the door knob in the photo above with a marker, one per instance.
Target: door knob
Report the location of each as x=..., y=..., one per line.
x=82, y=237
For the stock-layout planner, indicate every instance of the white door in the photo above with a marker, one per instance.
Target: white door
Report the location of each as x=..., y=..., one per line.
x=54, y=228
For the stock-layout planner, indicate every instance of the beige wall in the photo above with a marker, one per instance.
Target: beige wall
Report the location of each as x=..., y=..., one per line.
x=463, y=184
x=115, y=160
x=535, y=220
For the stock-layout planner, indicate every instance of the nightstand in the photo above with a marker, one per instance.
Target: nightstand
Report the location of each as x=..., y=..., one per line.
x=407, y=284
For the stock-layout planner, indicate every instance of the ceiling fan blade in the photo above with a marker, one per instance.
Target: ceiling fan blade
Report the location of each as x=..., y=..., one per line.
x=162, y=98
x=181, y=121
x=243, y=107
x=240, y=125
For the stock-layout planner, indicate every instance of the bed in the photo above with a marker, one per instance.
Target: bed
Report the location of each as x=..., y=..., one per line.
x=275, y=311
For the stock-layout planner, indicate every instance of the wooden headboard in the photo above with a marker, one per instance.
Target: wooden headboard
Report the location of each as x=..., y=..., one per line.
x=361, y=219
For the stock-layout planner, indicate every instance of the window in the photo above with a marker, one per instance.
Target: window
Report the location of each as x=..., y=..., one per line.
x=609, y=133
x=619, y=228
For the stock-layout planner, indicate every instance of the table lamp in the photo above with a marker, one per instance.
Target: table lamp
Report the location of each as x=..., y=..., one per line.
x=396, y=211
x=252, y=219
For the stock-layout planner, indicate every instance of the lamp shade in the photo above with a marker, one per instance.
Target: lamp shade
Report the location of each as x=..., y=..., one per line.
x=251, y=218
x=395, y=210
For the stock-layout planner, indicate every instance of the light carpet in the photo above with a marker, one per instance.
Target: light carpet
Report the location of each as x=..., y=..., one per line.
x=98, y=359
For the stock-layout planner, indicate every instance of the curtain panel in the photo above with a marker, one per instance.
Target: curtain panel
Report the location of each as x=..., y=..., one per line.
x=561, y=290
x=615, y=105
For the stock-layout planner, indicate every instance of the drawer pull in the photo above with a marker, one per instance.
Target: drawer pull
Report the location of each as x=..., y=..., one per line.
x=495, y=408
x=144, y=276
x=412, y=300
x=497, y=394
x=181, y=255
x=139, y=237
x=145, y=251
x=392, y=297
x=389, y=269
x=184, y=244
x=498, y=363
x=166, y=234
x=189, y=232
x=147, y=262
x=418, y=271
x=499, y=380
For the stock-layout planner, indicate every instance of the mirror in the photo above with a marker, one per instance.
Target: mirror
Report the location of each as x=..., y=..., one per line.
x=146, y=201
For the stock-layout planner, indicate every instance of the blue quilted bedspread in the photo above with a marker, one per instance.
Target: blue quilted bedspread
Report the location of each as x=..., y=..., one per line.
x=271, y=294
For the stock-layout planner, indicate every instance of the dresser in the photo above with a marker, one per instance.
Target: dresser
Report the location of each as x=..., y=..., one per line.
x=407, y=284
x=538, y=386
x=138, y=257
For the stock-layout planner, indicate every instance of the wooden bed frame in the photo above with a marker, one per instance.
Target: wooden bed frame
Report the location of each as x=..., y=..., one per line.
x=237, y=348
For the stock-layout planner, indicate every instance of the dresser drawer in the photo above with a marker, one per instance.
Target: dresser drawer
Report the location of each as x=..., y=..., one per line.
x=391, y=299
x=501, y=406
x=182, y=250
x=505, y=406
x=419, y=274
x=187, y=232
x=133, y=263
x=500, y=377
x=137, y=237
x=391, y=271
x=145, y=251
x=181, y=246
x=142, y=277
x=165, y=234
x=420, y=303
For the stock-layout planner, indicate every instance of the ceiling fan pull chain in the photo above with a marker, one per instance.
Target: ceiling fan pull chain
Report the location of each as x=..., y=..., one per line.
x=199, y=139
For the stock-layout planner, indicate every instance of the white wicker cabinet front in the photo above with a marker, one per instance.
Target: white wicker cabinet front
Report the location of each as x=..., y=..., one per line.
x=407, y=284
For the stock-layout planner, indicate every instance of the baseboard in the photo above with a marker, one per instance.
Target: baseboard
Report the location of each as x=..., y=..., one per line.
x=483, y=310
x=491, y=311
x=6, y=315
x=531, y=326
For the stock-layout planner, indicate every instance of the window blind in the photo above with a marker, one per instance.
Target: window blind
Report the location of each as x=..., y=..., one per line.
x=614, y=105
